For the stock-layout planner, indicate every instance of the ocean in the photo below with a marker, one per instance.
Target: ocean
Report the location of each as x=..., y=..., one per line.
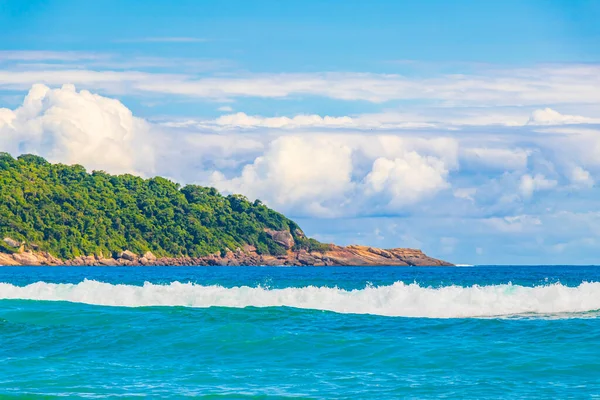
x=304, y=333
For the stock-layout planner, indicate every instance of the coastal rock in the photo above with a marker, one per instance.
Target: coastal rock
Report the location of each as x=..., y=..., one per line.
x=49, y=259
x=127, y=255
x=380, y=252
x=7, y=260
x=26, y=258
x=335, y=255
x=12, y=242
x=283, y=238
x=306, y=258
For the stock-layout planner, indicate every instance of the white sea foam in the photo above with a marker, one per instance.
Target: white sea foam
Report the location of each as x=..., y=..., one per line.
x=398, y=299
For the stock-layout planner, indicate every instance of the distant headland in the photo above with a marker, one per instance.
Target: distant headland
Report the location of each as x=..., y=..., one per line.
x=54, y=214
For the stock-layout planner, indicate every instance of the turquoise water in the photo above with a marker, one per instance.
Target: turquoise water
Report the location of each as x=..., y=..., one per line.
x=257, y=332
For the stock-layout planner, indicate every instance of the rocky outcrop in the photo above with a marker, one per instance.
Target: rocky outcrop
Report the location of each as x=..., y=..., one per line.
x=148, y=258
x=8, y=260
x=127, y=255
x=12, y=242
x=334, y=255
x=283, y=238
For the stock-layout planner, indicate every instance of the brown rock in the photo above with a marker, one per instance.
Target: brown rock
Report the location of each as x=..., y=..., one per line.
x=305, y=258
x=380, y=252
x=107, y=262
x=26, y=258
x=283, y=238
x=127, y=255
x=336, y=255
x=7, y=260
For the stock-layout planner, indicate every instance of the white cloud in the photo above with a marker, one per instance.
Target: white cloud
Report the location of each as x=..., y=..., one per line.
x=313, y=174
x=530, y=184
x=572, y=144
x=408, y=179
x=332, y=175
x=492, y=87
x=78, y=127
x=548, y=116
x=581, y=177
x=432, y=118
x=502, y=87
x=246, y=121
x=303, y=121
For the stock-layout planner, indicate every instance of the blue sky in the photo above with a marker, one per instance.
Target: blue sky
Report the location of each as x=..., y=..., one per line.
x=470, y=129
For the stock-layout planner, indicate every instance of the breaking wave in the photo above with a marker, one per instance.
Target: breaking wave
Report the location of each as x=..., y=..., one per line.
x=398, y=299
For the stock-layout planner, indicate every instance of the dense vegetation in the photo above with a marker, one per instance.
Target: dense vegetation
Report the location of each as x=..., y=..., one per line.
x=70, y=212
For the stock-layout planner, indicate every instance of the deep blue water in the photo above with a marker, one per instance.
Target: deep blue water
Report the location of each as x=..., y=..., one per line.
x=261, y=332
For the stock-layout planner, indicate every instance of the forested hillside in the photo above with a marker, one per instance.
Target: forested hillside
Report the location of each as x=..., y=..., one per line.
x=69, y=212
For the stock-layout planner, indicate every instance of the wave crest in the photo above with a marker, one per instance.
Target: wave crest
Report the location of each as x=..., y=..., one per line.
x=398, y=299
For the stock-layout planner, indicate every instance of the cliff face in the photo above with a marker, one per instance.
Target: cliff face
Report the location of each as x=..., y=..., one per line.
x=334, y=256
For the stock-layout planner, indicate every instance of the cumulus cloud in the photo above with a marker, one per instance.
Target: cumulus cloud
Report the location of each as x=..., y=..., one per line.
x=572, y=144
x=312, y=174
x=581, y=177
x=408, y=179
x=530, y=184
x=333, y=175
x=78, y=127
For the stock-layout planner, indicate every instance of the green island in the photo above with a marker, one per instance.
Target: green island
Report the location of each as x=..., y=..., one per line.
x=69, y=212
x=52, y=213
